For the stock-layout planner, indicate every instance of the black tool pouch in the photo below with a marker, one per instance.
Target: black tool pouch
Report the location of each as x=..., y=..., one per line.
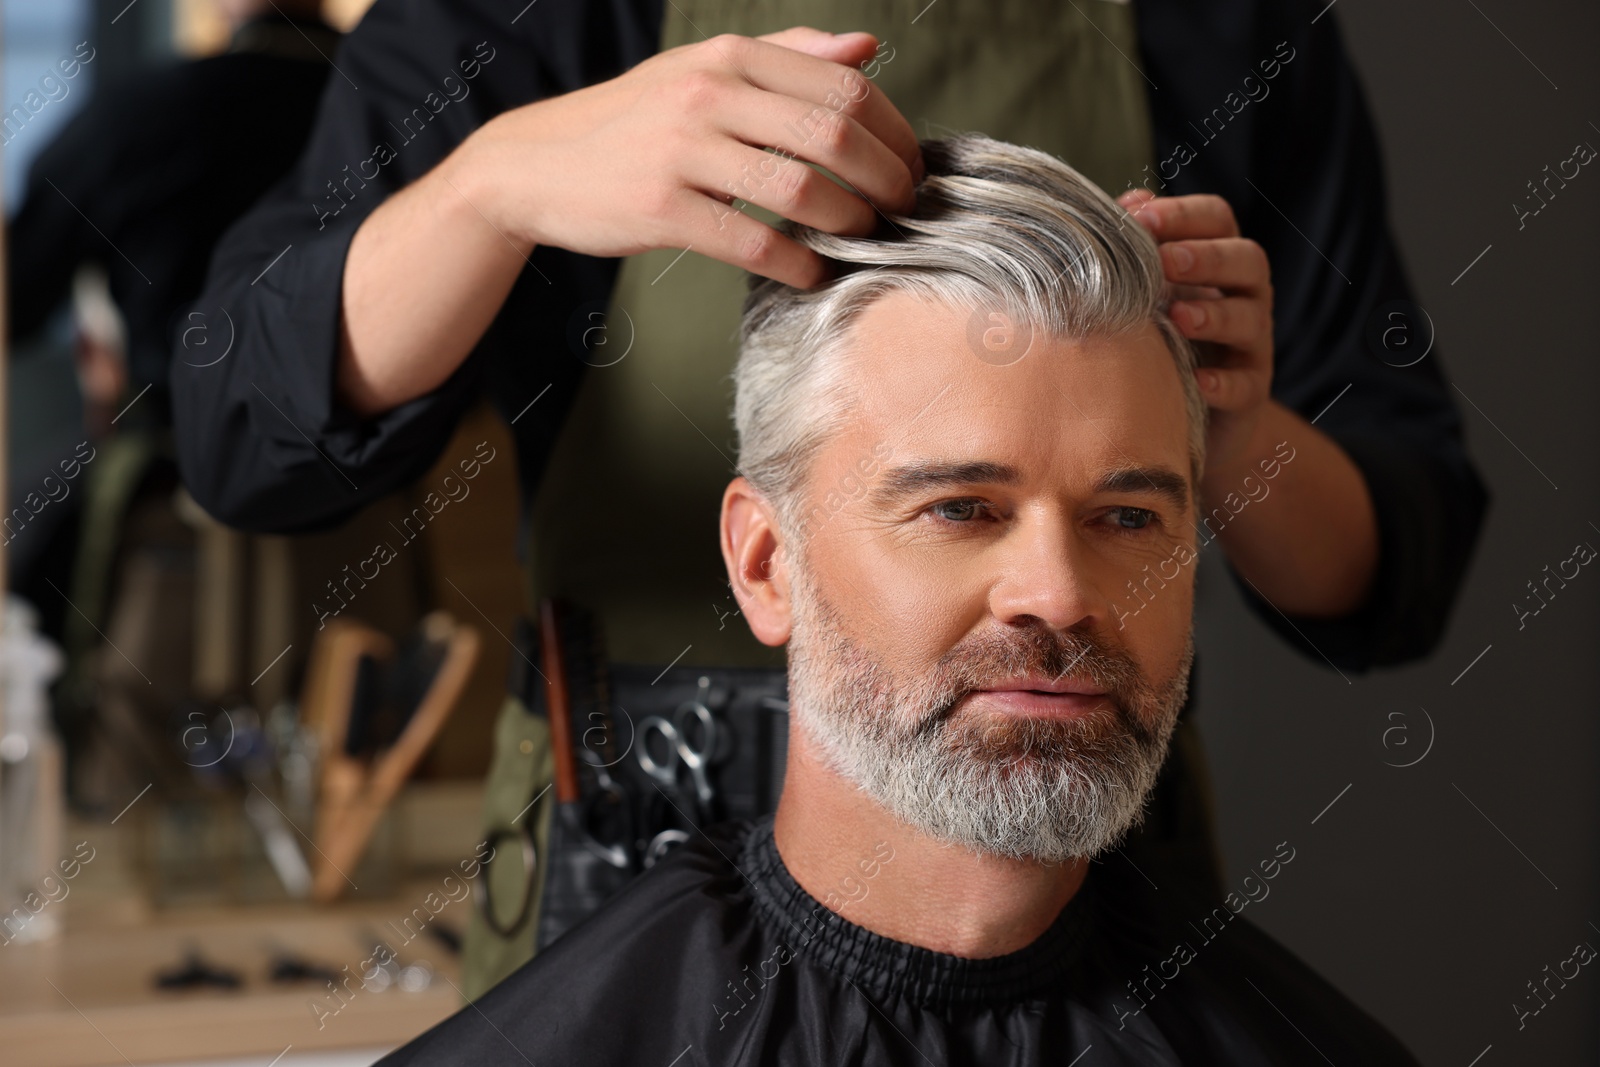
x=638, y=798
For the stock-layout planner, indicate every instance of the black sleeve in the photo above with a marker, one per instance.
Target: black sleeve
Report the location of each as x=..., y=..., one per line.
x=263, y=443
x=1301, y=166
x=49, y=236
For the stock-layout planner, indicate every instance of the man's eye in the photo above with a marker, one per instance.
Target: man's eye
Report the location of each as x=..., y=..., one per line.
x=1132, y=518
x=959, y=510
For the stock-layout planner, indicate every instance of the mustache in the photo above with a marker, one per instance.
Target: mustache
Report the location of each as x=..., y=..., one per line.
x=992, y=657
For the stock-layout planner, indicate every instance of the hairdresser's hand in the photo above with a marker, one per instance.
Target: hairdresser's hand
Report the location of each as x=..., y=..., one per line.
x=655, y=157
x=1222, y=289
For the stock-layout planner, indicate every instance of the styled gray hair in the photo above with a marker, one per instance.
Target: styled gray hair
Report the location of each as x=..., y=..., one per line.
x=995, y=223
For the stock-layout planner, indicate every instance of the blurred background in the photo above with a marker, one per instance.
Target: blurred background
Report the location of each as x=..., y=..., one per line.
x=1444, y=817
x=173, y=710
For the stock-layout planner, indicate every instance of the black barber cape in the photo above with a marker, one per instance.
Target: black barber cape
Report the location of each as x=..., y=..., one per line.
x=717, y=956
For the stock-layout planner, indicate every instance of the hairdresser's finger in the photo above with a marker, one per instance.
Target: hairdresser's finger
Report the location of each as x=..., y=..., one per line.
x=820, y=135
x=736, y=238
x=827, y=87
x=1236, y=264
x=1196, y=292
x=851, y=48
x=1238, y=322
x=1173, y=218
x=783, y=185
x=1232, y=388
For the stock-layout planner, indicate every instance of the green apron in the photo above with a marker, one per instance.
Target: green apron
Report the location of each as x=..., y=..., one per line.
x=626, y=519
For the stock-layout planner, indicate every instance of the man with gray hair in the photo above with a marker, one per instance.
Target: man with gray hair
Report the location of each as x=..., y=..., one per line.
x=957, y=457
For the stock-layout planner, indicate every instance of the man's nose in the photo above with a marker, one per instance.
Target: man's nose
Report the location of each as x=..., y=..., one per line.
x=1045, y=573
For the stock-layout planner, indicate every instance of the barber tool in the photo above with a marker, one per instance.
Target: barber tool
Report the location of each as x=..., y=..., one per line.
x=610, y=800
x=446, y=935
x=595, y=816
x=593, y=849
x=606, y=806
x=555, y=675
x=195, y=972
x=662, y=843
x=692, y=740
x=278, y=839
x=666, y=820
x=234, y=747
x=377, y=710
x=568, y=787
x=519, y=838
x=606, y=816
x=704, y=745
x=287, y=966
x=600, y=824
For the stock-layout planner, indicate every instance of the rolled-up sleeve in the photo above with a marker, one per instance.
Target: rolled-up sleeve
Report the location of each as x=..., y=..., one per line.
x=263, y=442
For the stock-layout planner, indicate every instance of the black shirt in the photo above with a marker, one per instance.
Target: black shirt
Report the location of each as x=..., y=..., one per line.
x=264, y=445
x=718, y=956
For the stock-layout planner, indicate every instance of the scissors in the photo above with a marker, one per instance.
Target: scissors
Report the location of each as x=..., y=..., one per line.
x=691, y=737
x=606, y=816
x=661, y=844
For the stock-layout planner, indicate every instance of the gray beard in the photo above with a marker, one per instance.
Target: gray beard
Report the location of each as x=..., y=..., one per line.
x=1025, y=787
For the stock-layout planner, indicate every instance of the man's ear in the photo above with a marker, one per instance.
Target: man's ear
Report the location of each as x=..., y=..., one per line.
x=753, y=550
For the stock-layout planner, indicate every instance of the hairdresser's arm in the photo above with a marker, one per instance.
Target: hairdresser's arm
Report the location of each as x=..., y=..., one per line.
x=650, y=159
x=1306, y=179
x=1288, y=506
x=1307, y=538
x=268, y=438
x=48, y=237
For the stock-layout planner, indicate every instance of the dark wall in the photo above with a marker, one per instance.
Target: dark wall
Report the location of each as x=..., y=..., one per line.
x=1434, y=893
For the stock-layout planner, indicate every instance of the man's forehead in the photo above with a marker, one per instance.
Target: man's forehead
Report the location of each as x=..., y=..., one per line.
x=906, y=343
x=922, y=390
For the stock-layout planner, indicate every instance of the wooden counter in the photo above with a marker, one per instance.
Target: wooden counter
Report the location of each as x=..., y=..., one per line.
x=88, y=996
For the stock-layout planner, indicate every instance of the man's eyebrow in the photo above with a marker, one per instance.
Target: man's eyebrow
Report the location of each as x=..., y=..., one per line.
x=1162, y=481
x=914, y=478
